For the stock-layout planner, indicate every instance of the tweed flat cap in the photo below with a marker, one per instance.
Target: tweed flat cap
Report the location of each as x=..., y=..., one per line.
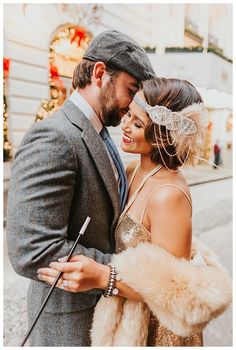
x=120, y=51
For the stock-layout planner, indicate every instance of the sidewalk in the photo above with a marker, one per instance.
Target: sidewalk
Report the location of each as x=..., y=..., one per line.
x=205, y=173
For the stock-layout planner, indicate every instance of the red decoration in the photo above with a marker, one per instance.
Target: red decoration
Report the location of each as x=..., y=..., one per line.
x=78, y=36
x=54, y=75
x=209, y=126
x=54, y=72
x=6, y=65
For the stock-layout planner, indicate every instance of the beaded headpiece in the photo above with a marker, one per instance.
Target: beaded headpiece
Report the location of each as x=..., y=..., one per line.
x=185, y=128
x=173, y=121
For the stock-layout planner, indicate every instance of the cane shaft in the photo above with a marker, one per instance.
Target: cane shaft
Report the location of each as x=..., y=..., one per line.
x=55, y=282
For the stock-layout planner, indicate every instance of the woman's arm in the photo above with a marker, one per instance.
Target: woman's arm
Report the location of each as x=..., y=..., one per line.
x=82, y=274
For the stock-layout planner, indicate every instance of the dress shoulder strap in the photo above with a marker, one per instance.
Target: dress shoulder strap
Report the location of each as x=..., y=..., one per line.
x=134, y=196
x=133, y=175
x=157, y=188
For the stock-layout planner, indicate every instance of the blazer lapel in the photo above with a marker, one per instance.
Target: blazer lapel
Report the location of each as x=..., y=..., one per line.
x=97, y=151
x=73, y=114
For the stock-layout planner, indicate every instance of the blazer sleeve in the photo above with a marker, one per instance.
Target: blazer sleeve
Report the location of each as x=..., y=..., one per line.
x=40, y=195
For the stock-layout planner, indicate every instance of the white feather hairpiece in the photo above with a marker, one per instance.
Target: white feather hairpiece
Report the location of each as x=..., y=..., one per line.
x=173, y=121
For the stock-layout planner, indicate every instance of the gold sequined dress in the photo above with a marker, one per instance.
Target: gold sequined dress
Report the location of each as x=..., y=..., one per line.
x=129, y=233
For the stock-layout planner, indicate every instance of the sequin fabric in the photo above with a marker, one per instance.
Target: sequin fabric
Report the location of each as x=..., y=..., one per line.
x=158, y=335
x=129, y=233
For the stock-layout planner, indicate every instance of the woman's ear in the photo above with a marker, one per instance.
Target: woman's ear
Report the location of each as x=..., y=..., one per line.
x=99, y=71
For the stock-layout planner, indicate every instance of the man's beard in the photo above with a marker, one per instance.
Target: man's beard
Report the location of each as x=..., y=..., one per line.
x=109, y=107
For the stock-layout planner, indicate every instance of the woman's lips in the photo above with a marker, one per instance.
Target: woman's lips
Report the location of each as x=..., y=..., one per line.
x=127, y=139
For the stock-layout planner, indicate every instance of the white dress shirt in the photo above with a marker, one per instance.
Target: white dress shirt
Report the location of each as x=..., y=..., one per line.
x=89, y=112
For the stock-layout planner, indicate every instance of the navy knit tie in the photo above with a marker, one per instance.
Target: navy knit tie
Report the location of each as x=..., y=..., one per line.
x=119, y=166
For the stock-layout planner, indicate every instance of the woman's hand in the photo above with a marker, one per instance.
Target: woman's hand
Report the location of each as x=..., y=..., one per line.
x=81, y=273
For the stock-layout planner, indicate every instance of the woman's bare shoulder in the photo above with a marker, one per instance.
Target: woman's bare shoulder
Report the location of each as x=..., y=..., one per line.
x=169, y=186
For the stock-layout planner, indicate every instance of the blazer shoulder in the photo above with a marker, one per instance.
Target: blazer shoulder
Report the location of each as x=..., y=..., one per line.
x=57, y=124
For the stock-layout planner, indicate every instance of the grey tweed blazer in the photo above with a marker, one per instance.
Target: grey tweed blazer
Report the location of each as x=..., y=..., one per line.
x=61, y=174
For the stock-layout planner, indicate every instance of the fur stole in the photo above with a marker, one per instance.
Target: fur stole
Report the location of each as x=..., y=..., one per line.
x=182, y=295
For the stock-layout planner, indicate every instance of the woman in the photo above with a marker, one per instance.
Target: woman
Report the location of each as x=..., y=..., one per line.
x=160, y=297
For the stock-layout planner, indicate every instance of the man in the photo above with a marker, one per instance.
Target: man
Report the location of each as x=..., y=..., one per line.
x=66, y=169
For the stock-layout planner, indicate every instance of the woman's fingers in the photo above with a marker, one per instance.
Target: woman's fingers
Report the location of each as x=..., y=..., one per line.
x=47, y=271
x=72, y=258
x=66, y=267
x=76, y=258
x=63, y=283
x=77, y=275
x=50, y=275
x=63, y=259
x=71, y=276
x=50, y=279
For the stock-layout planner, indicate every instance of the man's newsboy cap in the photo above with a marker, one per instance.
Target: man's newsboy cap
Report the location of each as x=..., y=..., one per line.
x=120, y=51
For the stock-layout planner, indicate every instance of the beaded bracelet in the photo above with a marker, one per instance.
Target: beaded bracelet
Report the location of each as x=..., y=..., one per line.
x=111, y=286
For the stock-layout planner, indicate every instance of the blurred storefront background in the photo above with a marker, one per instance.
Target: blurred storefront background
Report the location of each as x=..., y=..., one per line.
x=44, y=42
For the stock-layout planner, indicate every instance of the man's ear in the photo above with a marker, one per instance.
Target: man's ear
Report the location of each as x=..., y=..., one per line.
x=99, y=71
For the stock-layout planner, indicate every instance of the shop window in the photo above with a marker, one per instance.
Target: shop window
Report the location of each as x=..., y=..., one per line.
x=66, y=50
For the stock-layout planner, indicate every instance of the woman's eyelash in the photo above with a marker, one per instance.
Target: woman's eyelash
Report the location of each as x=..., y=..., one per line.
x=137, y=125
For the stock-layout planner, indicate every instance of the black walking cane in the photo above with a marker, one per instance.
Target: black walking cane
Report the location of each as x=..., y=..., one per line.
x=81, y=232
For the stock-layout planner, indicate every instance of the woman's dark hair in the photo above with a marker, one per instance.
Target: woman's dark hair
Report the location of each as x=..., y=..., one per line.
x=83, y=73
x=175, y=94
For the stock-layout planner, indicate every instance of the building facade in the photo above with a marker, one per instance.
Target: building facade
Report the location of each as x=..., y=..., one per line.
x=43, y=43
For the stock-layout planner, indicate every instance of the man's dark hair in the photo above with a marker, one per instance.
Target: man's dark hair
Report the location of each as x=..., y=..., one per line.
x=83, y=73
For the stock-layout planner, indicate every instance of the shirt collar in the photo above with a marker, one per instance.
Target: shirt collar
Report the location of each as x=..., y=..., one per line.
x=80, y=102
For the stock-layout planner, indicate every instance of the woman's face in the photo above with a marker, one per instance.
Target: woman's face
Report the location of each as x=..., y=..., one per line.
x=133, y=125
